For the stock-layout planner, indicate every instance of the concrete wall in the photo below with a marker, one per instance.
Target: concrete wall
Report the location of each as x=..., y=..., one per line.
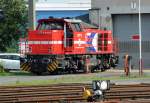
x=121, y=6
x=43, y=5
x=108, y=7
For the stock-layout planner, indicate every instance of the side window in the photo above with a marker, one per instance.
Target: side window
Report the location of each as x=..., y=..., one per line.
x=77, y=27
x=56, y=26
x=42, y=26
x=3, y=57
x=13, y=57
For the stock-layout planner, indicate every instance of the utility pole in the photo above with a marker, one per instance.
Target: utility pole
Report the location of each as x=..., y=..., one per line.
x=32, y=13
x=99, y=18
x=140, y=40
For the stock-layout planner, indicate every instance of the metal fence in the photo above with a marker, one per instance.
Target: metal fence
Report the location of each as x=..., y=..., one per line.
x=132, y=48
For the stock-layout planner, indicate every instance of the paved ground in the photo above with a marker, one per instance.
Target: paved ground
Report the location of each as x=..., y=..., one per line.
x=110, y=73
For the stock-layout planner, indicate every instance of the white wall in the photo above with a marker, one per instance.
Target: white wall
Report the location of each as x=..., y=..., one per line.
x=63, y=5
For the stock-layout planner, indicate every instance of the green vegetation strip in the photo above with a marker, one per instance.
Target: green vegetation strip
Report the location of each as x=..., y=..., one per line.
x=75, y=79
x=15, y=73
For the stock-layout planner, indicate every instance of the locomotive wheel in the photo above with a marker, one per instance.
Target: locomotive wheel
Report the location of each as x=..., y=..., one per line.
x=70, y=70
x=96, y=68
x=73, y=71
x=38, y=68
x=105, y=67
x=92, y=69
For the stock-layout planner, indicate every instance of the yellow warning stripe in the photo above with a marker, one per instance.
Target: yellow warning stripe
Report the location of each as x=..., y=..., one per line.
x=53, y=66
x=22, y=65
x=29, y=68
x=56, y=64
x=25, y=67
x=56, y=61
x=50, y=68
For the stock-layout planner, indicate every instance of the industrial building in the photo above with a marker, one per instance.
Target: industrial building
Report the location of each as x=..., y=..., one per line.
x=121, y=16
x=61, y=8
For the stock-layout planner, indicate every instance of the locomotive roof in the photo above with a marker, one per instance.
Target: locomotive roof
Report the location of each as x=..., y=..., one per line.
x=73, y=20
x=60, y=20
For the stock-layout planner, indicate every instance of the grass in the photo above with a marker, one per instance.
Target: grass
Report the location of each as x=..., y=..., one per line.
x=19, y=73
x=75, y=79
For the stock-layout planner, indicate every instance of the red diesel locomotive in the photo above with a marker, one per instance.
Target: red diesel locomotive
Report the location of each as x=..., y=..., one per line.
x=65, y=46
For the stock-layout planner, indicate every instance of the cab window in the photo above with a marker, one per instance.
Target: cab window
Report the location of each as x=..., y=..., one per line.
x=76, y=27
x=13, y=57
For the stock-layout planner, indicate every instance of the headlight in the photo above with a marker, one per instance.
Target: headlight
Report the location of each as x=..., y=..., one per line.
x=98, y=92
x=104, y=85
x=101, y=85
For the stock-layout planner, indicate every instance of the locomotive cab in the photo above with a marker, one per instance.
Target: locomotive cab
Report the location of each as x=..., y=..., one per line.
x=62, y=35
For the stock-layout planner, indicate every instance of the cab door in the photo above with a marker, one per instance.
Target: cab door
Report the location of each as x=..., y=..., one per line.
x=68, y=38
x=79, y=38
x=74, y=38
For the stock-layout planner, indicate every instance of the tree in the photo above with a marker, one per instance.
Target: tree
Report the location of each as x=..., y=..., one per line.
x=14, y=24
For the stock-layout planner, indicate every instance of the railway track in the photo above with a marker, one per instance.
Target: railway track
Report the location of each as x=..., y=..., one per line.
x=41, y=94
x=121, y=92
x=139, y=93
